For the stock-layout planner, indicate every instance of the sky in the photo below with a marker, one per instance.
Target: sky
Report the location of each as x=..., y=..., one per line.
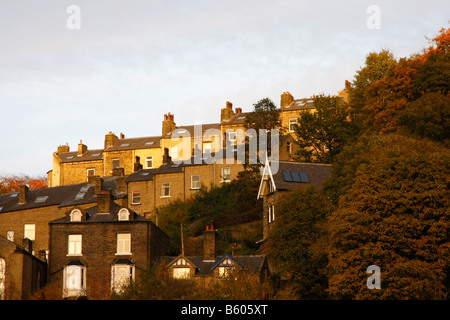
x=75, y=70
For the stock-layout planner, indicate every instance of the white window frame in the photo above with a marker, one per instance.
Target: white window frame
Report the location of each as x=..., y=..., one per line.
x=195, y=184
x=29, y=231
x=123, y=215
x=147, y=160
x=123, y=244
x=76, y=274
x=74, y=245
x=222, y=177
x=133, y=198
x=292, y=121
x=165, y=186
x=90, y=175
x=10, y=235
x=114, y=160
x=120, y=278
x=75, y=215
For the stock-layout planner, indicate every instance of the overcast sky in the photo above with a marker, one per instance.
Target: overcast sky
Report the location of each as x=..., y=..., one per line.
x=130, y=62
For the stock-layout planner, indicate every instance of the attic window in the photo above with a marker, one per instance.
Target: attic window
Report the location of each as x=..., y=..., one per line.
x=14, y=195
x=124, y=214
x=181, y=131
x=124, y=144
x=71, y=157
x=295, y=176
x=150, y=142
x=41, y=199
x=84, y=189
x=95, y=155
x=75, y=215
x=145, y=173
x=241, y=118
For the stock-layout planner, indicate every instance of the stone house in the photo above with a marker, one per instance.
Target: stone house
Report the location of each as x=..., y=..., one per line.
x=97, y=250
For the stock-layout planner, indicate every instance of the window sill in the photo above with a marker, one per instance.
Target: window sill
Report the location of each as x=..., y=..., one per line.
x=135, y=204
x=165, y=197
x=74, y=255
x=123, y=254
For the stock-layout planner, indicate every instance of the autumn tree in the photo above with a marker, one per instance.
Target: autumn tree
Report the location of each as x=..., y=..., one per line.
x=393, y=214
x=322, y=134
x=297, y=242
x=12, y=183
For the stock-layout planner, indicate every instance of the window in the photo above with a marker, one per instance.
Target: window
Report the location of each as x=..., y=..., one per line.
x=207, y=147
x=75, y=215
x=74, y=281
x=136, y=197
x=181, y=273
x=288, y=148
x=122, y=275
x=174, y=152
x=226, y=174
x=271, y=216
x=2, y=278
x=165, y=189
x=225, y=268
x=30, y=231
x=10, y=235
x=232, y=137
x=124, y=214
x=195, y=182
x=292, y=124
x=74, y=245
x=148, y=162
x=123, y=243
x=41, y=199
x=90, y=172
x=115, y=163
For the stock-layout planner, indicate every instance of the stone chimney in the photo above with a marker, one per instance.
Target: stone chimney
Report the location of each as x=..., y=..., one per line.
x=238, y=110
x=98, y=182
x=227, y=112
x=117, y=172
x=121, y=185
x=168, y=124
x=286, y=99
x=28, y=244
x=23, y=193
x=137, y=164
x=122, y=136
x=82, y=149
x=64, y=148
x=104, y=202
x=110, y=140
x=209, y=243
x=166, y=158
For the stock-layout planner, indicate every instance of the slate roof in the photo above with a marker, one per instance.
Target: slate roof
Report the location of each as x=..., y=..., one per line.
x=237, y=119
x=317, y=174
x=191, y=129
x=90, y=155
x=57, y=196
x=136, y=143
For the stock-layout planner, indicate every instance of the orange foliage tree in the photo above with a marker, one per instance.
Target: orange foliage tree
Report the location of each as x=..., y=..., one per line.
x=12, y=183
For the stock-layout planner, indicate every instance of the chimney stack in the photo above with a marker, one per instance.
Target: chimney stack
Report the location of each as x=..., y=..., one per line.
x=122, y=136
x=209, y=243
x=110, y=140
x=104, y=202
x=121, y=185
x=65, y=148
x=238, y=110
x=23, y=193
x=168, y=124
x=28, y=244
x=82, y=149
x=137, y=164
x=98, y=181
x=166, y=158
x=227, y=112
x=286, y=99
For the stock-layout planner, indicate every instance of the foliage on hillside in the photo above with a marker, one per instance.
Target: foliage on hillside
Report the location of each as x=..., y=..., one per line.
x=12, y=183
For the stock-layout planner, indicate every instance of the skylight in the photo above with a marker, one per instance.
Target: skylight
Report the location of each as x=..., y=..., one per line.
x=145, y=173
x=71, y=157
x=1, y=208
x=41, y=199
x=84, y=189
x=124, y=144
x=95, y=155
x=150, y=142
x=241, y=118
x=14, y=195
x=79, y=196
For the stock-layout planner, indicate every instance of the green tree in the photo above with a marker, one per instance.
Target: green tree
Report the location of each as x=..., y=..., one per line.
x=322, y=134
x=297, y=242
x=393, y=214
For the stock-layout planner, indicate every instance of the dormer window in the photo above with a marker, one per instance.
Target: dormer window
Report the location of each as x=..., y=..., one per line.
x=75, y=215
x=124, y=215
